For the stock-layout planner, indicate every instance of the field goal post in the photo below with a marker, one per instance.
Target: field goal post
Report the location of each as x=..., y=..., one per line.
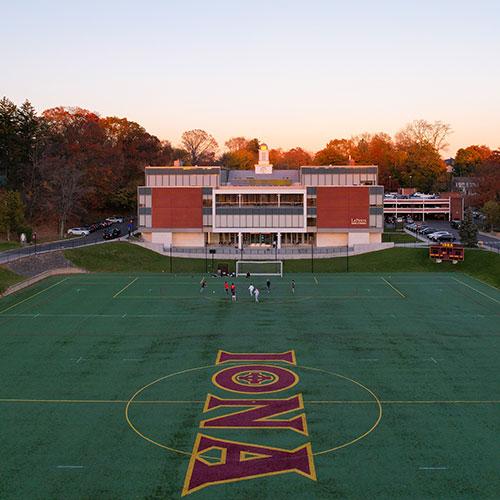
x=259, y=267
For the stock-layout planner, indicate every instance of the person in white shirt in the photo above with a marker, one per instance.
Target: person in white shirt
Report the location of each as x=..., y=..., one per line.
x=251, y=288
x=256, y=294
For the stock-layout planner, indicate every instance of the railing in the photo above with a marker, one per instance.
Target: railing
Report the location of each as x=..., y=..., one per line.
x=270, y=252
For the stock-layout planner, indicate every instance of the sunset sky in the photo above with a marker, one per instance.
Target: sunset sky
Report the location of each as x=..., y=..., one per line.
x=288, y=72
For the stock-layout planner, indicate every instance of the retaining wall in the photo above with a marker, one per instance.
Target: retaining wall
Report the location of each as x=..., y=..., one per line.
x=39, y=277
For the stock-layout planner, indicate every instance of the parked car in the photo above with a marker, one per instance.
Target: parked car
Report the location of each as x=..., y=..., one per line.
x=79, y=231
x=456, y=223
x=445, y=238
x=114, y=219
x=110, y=234
x=427, y=230
x=437, y=234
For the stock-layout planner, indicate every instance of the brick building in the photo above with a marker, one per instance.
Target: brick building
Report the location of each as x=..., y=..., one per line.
x=319, y=205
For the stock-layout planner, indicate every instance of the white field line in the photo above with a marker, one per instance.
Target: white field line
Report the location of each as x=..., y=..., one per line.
x=394, y=288
x=476, y=290
x=31, y=296
x=125, y=287
x=316, y=281
x=70, y=467
x=433, y=468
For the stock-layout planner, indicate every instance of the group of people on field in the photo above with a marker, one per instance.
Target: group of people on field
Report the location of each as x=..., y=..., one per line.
x=253, y=290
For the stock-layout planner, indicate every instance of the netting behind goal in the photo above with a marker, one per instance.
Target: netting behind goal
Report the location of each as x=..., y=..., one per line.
x=259, y=267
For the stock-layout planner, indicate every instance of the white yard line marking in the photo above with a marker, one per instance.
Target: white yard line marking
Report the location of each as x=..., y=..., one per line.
x=70, y=467
x=98, y=401
x=394, y=288
x=79, y=359
x=476, y=290
x=487, y=284
x=432, y=359
x=125, y=287
x=433, y=468
x=124, y=315
x=403, y=402
x=317, y=283
x=31, y=296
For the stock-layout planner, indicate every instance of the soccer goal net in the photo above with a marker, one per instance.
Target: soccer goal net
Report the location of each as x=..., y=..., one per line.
x=259, y=267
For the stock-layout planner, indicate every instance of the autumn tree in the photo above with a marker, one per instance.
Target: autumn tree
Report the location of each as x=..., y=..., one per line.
x=200, y=145
x=75, y=163
x=379, y=149
x=419, y=166
x=488, y=179
x=242, y=153
x=293, y=158
x=468, y=159
x=336, y=152
x=236, y=144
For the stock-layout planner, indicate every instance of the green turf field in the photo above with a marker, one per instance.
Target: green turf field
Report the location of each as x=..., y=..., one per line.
x=105, y=377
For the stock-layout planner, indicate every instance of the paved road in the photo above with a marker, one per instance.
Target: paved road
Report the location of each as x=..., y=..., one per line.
x=91, y=239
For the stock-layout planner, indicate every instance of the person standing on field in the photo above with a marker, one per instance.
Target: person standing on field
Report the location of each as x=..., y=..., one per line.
x=226, y=287
x=251, y=289
x=203, y=284
x=256, y=294
x=233, y=292
x=268, y=286
x=293, y=286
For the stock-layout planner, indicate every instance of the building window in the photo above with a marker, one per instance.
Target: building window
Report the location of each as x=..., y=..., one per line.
x=224, y=200
x=292, y=200
x=259, y=200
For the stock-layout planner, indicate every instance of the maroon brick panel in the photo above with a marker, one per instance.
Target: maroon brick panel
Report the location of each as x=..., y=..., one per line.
x=339, y=207
x=177, y=207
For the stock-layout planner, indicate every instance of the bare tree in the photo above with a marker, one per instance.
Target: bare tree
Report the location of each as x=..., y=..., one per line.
x=65, y=188
x=236, y=144
x=424, y=132
x=200, y=146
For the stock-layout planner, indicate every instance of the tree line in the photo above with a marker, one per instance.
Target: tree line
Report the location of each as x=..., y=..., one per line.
x=65, y=164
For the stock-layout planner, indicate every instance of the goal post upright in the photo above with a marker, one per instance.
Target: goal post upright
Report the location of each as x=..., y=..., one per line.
x=259, y=267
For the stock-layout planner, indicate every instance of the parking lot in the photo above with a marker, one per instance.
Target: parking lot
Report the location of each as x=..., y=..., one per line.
x=442, y=225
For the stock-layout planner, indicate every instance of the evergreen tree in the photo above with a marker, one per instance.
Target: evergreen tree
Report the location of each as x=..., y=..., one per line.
x=11, y=212
x=468, y=230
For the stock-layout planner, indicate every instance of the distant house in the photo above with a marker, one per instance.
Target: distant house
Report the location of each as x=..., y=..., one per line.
x=465, y=185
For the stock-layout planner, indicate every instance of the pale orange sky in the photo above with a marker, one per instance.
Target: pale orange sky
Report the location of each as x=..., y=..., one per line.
x=287, y=72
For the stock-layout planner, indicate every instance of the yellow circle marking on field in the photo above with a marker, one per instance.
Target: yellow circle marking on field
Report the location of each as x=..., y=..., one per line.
x=375, y=398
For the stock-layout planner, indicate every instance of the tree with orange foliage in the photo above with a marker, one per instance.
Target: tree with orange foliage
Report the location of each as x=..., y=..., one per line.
x=336, y=152
x=242, y=154
x=468, y=159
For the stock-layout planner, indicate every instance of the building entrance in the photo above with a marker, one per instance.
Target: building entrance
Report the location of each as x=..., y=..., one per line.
x=264, y=239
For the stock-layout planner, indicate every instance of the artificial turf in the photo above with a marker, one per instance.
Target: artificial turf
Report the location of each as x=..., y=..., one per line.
x=74, y=350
